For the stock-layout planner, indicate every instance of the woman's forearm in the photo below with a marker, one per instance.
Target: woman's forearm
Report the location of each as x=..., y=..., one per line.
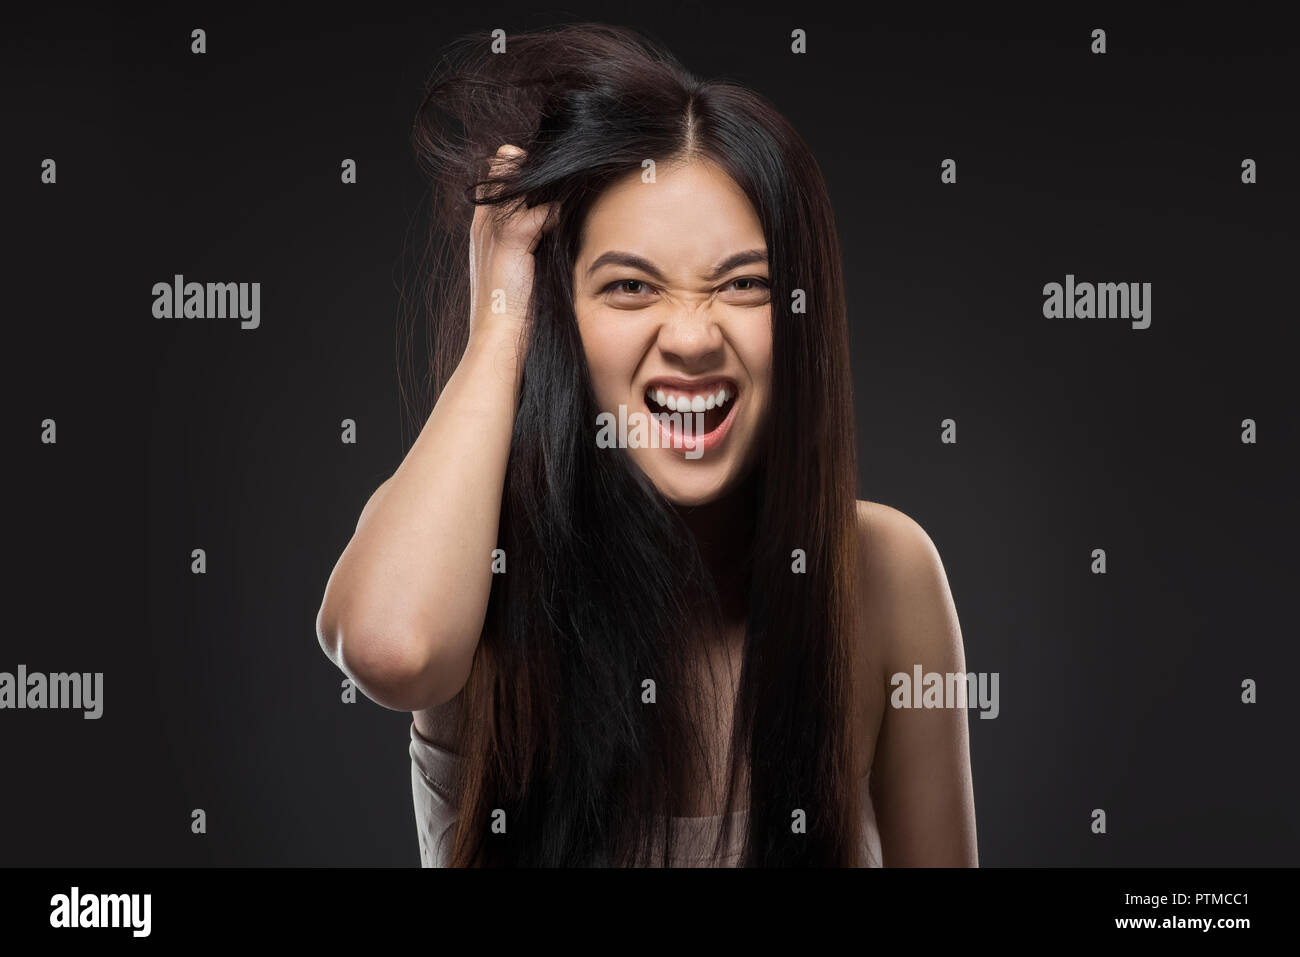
x=405, y=605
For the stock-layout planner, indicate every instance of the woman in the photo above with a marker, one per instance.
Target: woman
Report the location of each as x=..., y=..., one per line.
x=675, y=652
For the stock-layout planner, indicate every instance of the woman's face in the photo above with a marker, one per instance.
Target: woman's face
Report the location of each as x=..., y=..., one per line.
x=673, y=306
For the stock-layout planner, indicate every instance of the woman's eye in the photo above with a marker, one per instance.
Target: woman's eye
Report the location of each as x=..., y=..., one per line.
x=619, y=285
x=635, y=287
x=753, y=290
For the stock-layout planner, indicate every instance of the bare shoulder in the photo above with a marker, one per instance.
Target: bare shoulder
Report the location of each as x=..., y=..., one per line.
x=904, y=592
x=920, y=774
x=893, y=540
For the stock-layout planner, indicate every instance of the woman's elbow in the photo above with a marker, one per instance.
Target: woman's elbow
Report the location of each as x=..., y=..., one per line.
x=389, y=669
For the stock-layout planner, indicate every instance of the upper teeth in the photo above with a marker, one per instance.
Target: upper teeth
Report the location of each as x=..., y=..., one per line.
x=689, y=403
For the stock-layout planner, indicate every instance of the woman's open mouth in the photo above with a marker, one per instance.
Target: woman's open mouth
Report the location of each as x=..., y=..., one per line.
x=705, y=411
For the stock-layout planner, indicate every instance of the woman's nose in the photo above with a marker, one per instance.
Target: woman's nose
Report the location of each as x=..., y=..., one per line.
x=692, y=336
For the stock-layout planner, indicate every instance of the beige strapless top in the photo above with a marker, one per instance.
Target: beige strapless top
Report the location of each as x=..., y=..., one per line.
x=432, y=768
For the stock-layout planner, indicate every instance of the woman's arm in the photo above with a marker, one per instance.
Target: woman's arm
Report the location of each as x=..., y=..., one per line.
x=405, y=605
x=920, y=777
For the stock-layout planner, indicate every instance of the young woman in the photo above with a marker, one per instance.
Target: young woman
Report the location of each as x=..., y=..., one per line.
x=665, y=652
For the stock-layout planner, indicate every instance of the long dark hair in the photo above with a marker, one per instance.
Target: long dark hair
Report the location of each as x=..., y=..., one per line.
x=601, y=570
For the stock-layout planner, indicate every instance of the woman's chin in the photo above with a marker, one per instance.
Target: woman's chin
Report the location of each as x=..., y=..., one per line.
x=686, y=483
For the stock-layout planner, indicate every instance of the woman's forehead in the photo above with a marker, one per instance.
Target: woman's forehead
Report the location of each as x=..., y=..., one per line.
x=690, y=217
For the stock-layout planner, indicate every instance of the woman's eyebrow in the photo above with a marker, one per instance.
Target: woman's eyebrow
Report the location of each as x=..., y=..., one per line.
x=619, y=258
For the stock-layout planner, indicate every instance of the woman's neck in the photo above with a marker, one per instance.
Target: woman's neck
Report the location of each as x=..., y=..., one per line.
x=723, y=533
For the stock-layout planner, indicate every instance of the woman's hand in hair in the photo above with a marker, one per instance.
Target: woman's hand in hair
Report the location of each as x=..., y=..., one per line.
x=501, y=246
x=405, y=606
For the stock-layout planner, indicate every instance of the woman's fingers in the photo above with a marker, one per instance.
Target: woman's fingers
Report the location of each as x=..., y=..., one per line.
x=505, y=159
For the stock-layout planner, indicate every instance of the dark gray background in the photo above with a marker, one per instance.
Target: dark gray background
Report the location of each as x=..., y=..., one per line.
x=1118, y=691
